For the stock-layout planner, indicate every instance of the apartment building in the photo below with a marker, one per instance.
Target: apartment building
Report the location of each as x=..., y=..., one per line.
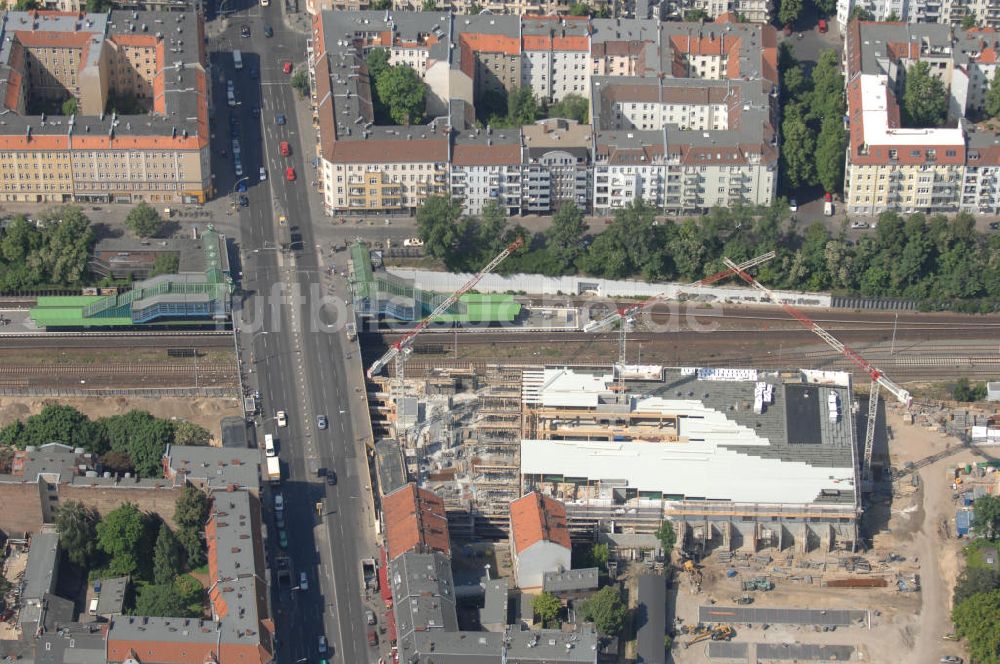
x=985, y=13
x=682, y=114
x=702, y=135
x=927, y=169
x=160, y=155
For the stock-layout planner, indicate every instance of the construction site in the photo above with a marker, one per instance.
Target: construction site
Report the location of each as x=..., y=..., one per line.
x=781, y=482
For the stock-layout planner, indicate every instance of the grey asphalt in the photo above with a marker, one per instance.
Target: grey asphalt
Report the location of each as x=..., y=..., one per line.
x=297, y=366
x=803, y=652
x=734, y=614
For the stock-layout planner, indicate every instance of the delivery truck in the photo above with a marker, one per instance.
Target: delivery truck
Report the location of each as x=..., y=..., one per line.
x=274, y=470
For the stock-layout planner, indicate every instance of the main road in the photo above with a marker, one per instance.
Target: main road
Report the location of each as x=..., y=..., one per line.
x=293, y=346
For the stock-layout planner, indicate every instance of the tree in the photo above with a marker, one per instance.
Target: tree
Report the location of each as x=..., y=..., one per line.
x=437, y=224
x=77, y=528
x=925, y=99
x=66, y=249
x=893, y=17
x=599, y=554
x=826, y=7
x=789, y=11
x=579, y=9
x=163, y=601
x=860, y=13
x=142, y=437
x=830, y=154
x=565, y=236
x=99, y=6
x=665, y=533
x=11, y=434
x=19, y=239
x=606, y=610
x=963, y=391
x=993, y=97
x=522, y=107
x=977, y=620
x=986, y=517
x=167, y=557
x=827, y=98
x=381, y=5
x=969, y=21
x=189, y=433
x=974, y=581
x=26, y=5
x=190, y=515
x=572, y=107
x=62, y=424
x=547, y=607
x=429, y=5
x=117, y=462
x=797, y=150
x=300, y=81
x=403, y=93
x=143, y=220
x=191, y=508
x=796, y=83
x=695, y=15
x=166, y=262
x=124, y=534
x=70, y=106
x=377, y=62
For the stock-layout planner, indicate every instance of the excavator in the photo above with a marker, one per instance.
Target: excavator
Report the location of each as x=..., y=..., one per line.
x=720, y=633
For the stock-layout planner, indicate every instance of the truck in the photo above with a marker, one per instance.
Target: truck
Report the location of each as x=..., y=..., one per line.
x=369, y=574
x=237, y=59
x=274, y=470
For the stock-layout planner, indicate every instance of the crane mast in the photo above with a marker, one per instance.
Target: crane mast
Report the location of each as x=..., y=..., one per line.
x=403, y=345
x=879, y=379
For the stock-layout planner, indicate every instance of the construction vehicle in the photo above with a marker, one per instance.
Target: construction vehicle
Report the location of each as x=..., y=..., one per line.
x=879, y=379
x=720, y=633
x=627, y=314
x=758, y=583
x=743, y=599
x=369, y=574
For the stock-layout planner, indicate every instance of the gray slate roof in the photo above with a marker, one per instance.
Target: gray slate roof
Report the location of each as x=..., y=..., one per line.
x=217, y=467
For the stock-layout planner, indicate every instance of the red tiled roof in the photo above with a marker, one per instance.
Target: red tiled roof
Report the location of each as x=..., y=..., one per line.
x=535, y=518
x=478, y=41
x=414, y=520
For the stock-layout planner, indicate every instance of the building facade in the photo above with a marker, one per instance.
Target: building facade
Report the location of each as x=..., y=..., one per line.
x=158, y=154
x=539, y=539
x=918, y=169
x=682, y=115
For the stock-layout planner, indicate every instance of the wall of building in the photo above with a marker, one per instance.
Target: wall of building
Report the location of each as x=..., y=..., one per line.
x=537, y=559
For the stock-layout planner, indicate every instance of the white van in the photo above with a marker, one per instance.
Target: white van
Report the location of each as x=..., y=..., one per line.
x=269, y=445
x=231, y=97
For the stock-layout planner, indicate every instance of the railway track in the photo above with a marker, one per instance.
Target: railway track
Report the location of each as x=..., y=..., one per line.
x=145, y=340
x=117, y=369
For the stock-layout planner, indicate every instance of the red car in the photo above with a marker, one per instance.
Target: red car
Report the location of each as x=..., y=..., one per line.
x=285, y=148
x=290, y=174
x=287, y=67
x=822, y=25
x=827, y=197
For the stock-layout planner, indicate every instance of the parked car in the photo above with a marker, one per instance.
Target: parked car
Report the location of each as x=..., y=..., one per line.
x=263, y=173
x=322, y=645
x=245, y=31
x=859, y=224
x=282, y=418
x=369, y=616
x=244, y=201
x=372, y=637
x=822, y=25
x=331, y=477
x=303, y=582
x=413, y=242
x=282, y=539
x=279, y=502
x=793, y=205
x=287, y=67
x=285, y=149
x=995, y=225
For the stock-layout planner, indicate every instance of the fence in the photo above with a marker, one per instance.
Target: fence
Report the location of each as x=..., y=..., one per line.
x=229, y=392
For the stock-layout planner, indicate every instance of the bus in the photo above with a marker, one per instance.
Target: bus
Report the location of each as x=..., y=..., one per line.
x=237, y=59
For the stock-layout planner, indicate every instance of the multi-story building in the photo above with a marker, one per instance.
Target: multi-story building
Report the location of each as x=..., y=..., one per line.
x=672, y=104
x=693, y=445
x=700, y=137
x=984, y=13
x=928, y=169
x=150, y=63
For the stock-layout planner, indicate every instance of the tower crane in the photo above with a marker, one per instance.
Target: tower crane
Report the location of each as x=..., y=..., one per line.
x=402, y=348
x=879, y=379
x=625, y=314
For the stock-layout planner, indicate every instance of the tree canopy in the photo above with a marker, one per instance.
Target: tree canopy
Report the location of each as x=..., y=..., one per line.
x=977, y=619
x=965, y=392
x=939, y=262
x=665, y=533
x=125, y=535
x=57, y=424
x=402, y=92
x=143, y=220
x=975, y=580
x=925, y=99
x=142, y=437
x=789, y=11
x=992, y=105
x=546, y=606
x=572, y=107
x=189, y=433
x=190, y=515
x=77, y=528
x=606, y=610
x=52, y=252
x=168, y=557
x=986, y=517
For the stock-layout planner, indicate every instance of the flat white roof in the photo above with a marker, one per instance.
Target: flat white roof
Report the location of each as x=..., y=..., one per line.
x=875, y=109
x=701, y=469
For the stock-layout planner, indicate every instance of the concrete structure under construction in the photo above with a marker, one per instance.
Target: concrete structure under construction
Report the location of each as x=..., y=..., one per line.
x=737, y=458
